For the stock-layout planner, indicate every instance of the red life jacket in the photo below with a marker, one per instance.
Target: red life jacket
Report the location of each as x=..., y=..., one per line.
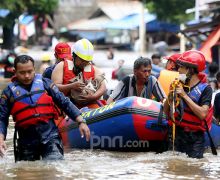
x=29, y=108
x=191, y=122
x=68, y=73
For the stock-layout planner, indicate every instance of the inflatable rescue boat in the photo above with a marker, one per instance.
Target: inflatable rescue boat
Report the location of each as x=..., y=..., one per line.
x=130, y=124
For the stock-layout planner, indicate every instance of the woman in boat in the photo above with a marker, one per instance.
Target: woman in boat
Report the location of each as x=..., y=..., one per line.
x=141, y=83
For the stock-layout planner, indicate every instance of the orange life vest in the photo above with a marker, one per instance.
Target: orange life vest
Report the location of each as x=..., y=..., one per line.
x=190, y=121
x=68, y=73
x=29, y=108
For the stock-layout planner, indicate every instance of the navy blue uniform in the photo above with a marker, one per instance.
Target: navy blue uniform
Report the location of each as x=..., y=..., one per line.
x=41, y=140
x=48, y=71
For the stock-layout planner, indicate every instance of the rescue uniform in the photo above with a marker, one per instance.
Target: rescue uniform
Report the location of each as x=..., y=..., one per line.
x=68, y=73
x=190, y=131
x=34, y=113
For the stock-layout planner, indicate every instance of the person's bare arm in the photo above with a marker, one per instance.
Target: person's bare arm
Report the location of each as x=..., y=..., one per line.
x=200, y=111
x=57, y=78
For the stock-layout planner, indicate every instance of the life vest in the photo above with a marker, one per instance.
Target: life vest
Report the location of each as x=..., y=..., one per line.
x=29, y=108
x=68, y=73
x=191, y=122
x=88, y=73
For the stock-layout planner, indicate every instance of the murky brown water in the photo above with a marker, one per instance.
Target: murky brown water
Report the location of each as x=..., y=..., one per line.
x=99, y=164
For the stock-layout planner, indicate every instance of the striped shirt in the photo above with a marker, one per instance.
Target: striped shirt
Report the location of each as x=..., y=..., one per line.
x=127, y=87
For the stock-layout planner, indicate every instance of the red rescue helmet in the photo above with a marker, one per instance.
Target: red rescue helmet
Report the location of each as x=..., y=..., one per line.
x=63, y=50
x=173, y=57
x=194, y=59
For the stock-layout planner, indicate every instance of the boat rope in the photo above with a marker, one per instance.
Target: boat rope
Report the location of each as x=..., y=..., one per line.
x=174, y=103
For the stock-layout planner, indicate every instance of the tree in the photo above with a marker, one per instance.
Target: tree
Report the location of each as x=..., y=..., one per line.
x=17, y=7
x=171, y=10
x=8, y=22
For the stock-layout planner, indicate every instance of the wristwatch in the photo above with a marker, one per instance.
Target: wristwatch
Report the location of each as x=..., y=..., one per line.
x=80, y=122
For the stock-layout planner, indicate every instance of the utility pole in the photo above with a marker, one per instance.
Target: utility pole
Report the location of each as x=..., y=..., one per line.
x=142, y=30
x=182, y=39
x=197, y=10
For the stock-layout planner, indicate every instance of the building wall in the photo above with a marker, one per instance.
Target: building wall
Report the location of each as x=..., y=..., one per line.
x=71, y=10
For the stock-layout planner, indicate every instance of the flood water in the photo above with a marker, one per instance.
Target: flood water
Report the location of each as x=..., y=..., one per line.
x=100, y=164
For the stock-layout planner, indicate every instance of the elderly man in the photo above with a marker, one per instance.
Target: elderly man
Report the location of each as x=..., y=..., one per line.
x=141, y=83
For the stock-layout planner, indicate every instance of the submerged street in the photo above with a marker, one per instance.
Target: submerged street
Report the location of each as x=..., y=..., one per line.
x=100, y=164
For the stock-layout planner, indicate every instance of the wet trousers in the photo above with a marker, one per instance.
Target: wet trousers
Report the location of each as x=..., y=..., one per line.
x=35, y=150
x=191, y=143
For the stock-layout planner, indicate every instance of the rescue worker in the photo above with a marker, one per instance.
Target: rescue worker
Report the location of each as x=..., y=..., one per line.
x=171, y=62
x=31, y=99
x=81, y=66
x=141, y=83
x=168, y=75
x=62, y=52
x=191, y=124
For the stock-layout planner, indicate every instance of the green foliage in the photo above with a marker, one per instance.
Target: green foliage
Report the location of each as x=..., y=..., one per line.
x=41, y=6
x=14, y=6
x=17, y=7
x=171, y=10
